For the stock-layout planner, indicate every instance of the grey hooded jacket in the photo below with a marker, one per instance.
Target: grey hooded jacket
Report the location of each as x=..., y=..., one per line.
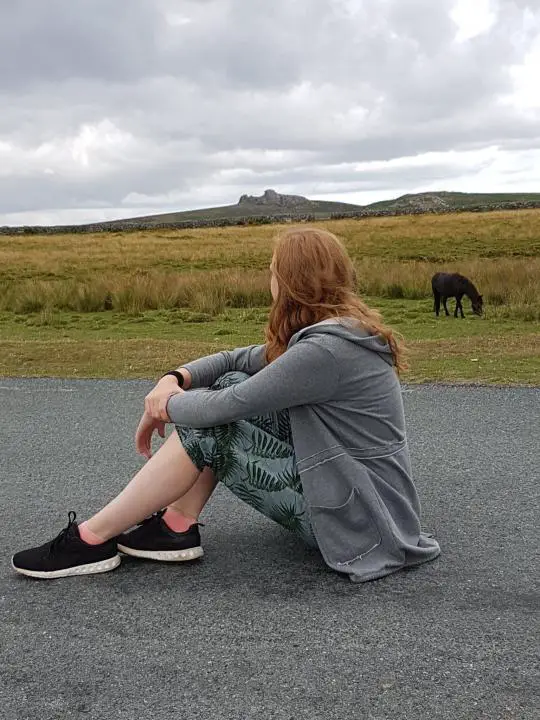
x=348, y=427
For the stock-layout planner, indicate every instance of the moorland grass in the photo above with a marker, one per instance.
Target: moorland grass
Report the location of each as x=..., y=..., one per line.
x=202, y=286
x=123, y=345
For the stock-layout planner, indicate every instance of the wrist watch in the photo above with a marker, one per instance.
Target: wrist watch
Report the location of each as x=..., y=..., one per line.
x=179, y=377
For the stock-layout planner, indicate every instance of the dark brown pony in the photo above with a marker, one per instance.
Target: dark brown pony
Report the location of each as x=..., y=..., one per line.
x=445, y=285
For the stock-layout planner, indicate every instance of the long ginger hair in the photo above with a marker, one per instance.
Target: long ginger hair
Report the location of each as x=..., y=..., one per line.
x=316, y=280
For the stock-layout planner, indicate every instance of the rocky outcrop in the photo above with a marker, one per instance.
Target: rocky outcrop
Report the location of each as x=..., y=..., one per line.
x=273, y=218
x=271, y=197
x=425, y=202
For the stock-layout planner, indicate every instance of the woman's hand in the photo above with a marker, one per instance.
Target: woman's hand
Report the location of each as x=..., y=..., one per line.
x=155, y=403
x=155, y=414
x=143, y=436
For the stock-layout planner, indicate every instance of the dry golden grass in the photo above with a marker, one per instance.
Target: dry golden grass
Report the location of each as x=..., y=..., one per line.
x=509, y=285
x=436, y=238
x=105, y=305
x=208, y=270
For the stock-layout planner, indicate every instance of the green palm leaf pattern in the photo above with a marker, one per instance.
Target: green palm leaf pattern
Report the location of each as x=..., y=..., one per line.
x=266, y=446
x=227, y=463
x=284, y=426
x=227, y=466
x=295, y=482
x=267, y=423
x=288, y=516
x=192, y=445
x=230, y=434
x=264, y=480
x=249, y=496
x=255, y=460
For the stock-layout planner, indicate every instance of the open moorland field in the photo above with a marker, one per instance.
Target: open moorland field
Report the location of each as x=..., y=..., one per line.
x=130, y=305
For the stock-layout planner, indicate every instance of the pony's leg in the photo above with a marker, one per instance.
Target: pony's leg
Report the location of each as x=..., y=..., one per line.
x=459, y=306
x=444, y=300
x=436, y=302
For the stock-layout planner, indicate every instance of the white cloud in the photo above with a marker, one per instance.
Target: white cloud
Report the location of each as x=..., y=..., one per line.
x=176, y=19
x=484, y=171
x=473, y=18
x=70, y=217
x=525, y=76
x=190, y=103
x=91, y=151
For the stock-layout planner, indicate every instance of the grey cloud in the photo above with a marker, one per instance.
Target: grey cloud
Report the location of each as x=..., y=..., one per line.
x=311, y=77
x=56, y=40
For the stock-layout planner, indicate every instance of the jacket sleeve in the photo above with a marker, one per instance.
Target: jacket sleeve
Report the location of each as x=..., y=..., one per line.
x=305, y=374
x=206, y=370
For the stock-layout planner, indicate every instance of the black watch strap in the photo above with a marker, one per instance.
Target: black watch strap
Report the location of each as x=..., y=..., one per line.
x=179, y=377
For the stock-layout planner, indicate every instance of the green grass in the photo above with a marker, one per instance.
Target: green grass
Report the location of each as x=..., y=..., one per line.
x=131, y=304
x=109, y=344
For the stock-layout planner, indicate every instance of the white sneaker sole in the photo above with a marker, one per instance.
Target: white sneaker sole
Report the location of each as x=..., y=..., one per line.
x=102, y=566
x=164, y=555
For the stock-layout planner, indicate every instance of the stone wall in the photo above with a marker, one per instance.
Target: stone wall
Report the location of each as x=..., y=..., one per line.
x=132, y=226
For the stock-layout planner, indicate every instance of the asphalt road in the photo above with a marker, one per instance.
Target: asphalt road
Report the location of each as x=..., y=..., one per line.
x=261, y=628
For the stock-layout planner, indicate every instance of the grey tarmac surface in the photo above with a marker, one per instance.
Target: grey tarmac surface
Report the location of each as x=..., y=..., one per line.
x=260, y=628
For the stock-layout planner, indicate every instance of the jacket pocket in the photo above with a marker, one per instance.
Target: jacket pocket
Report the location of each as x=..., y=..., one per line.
x=347, y=532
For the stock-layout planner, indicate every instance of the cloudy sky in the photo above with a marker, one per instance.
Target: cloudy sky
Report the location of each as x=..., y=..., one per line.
x=116, y=108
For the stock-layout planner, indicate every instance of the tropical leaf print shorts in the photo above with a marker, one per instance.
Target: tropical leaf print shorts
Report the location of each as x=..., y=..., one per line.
x=255, y=459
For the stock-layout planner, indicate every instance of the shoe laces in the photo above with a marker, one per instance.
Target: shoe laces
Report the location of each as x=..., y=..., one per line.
x=62, y=536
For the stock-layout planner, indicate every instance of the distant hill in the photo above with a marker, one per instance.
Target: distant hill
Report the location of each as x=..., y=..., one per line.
x=270, y=203
x=273, y=204
x=440, y=201
x=272, y=207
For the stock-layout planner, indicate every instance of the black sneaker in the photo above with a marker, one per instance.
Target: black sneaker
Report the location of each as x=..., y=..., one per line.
x=67, y=555
x=154, y=540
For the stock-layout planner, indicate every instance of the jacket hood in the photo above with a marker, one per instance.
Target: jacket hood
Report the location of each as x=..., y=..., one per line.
x=347, y=329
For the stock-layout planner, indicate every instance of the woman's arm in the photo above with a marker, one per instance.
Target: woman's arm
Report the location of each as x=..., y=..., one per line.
x=188, y=380
x=205, y=371
x=305, y=374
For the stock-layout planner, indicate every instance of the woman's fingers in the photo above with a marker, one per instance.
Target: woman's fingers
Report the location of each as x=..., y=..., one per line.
x=142, y=445
x=151, y=407
x=143, y=436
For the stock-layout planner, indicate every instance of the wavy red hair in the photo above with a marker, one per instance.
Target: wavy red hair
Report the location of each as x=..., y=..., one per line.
x=316, y=280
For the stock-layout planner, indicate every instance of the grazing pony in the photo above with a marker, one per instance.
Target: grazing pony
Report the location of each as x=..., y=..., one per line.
x=447, y=285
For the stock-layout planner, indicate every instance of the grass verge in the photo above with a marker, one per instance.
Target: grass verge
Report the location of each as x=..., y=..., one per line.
x=114, y=345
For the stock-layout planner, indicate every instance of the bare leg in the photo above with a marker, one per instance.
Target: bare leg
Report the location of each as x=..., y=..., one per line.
x=192, y=502
x=166, y=477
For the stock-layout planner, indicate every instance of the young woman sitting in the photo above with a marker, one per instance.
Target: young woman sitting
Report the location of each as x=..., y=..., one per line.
x=308, y=429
